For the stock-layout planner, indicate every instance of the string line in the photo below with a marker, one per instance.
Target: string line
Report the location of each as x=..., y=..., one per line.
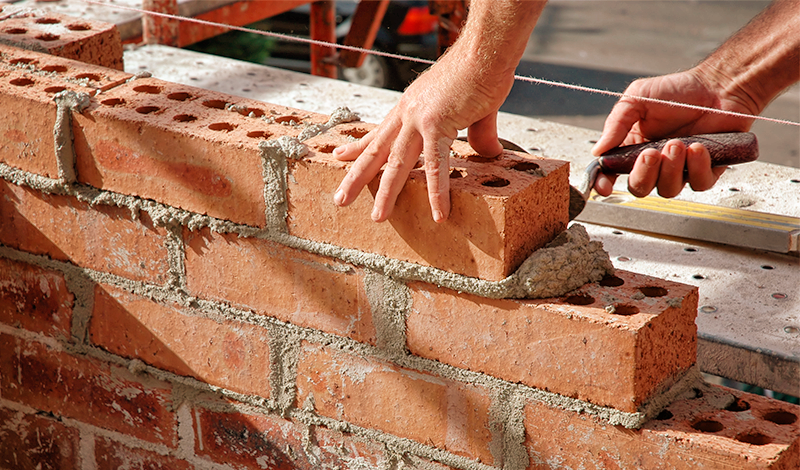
x=390, y=55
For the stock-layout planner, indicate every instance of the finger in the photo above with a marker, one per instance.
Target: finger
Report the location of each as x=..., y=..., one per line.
x=644, y=175
x=618, y=124
x=482, y=136
x=437, y=175
x=671, y=179
x=351, y=150
x=698, y=165
x=402, y=158
x=364, y=169
x=604, y=184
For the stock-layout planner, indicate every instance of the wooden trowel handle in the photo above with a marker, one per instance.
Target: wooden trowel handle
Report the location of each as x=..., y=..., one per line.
x=725, y=149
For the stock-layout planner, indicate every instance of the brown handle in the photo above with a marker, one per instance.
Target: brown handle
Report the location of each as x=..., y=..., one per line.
x=725, y=149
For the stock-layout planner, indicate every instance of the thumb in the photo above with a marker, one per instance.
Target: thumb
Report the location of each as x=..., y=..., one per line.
x=482, y=136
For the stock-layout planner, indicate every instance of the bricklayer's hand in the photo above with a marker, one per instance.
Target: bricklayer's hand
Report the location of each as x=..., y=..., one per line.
x=634, y=121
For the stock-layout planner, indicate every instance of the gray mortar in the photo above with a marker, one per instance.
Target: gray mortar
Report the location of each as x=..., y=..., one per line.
x=389, y=302
x=508, y=430
x=67, y=101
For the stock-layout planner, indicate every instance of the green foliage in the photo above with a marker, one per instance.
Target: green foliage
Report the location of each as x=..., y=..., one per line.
x=250, y=47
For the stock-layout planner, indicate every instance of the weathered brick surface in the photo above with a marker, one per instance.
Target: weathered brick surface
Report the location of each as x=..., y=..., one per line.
x=570, y=345
x=186, y=147
x=112, y=455
x=271, y=279
x=82, y=39
x=406, y=403
x=105, y=238
x=228, y=354
x=501, y=211
x=36, y=442
x=85, y=389
x=691, y=433
x=35, y=299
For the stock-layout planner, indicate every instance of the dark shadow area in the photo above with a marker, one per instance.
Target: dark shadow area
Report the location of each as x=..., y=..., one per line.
x=533, y=99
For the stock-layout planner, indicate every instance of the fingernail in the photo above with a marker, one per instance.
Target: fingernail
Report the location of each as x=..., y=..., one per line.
x=651, y=159
x=437, y=216
x=673, y=150
x=376, y=215
x=338, y=150
x=338, y=198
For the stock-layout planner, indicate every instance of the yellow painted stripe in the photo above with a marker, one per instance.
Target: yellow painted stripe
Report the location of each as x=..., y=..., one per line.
x=705, y=211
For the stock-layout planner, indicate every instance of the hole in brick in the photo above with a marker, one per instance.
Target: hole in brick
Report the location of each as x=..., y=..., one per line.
x=22, y=61
x=780, y=417
x=221, y=126
x=456, y=173
x=479, y=159
x=15, y=31
x=611, y=281
x=755, y=438
x=653, y=291
x=259, y=135
x=525, y=166
x=179, y=96
x=579, y=299
x=690, y=249
x=255, y=112
x=184, y=118
x=355, y=133
x=89, y=76
x=664, y=415
x=47, y=37
x=54, y=89
x=697, y=393
x=215, y=104
x=149, y=89
x=147, y=109
x=326, y=148
x=738, y=406
x=78, y=27
x=767, y=267
x=495, y=182
x=113, y=102
x=625, y=310
x=708, y=425
x=698, y=277
x=54, y=68
x=291, y=120
x=22, y=82
x=47, y=21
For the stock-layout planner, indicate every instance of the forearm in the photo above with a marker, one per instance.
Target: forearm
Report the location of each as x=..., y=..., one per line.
x=760, y=60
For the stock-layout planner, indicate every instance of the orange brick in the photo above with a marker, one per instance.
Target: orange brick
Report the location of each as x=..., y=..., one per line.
x=180, y=146
x=112, y=455
x=272, y=279
x=228, y=354
x=81, y=39
x=28, y=442
x=35, y=299
x=378, y=395
x=85, y=389
x=104, y=238
x=501, y=211
x=570, y=345
x=691, y=433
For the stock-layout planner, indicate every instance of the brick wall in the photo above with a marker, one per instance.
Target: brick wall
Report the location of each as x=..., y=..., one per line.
x=177, y=291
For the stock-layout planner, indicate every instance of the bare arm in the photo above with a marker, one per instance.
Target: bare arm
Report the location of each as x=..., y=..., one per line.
x=743, y=75
x=463, y=90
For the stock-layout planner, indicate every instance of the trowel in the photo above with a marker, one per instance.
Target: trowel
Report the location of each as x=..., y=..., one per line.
x=726, y=149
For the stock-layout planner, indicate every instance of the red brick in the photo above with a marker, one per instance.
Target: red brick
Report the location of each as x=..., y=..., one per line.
x=35, y=299
x=490, y=232
x=178, y=145
x=112, y=455
x=291, y=285
x=85, y=389
x=560, y=345
x=228, y=354
x=246, y=441
x=35, y=442
x=692, y=433
x=376, y=395
x=104, y=238
x=81, y=39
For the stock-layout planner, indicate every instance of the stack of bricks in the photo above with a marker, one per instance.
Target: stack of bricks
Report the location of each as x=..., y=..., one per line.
x=177, y=291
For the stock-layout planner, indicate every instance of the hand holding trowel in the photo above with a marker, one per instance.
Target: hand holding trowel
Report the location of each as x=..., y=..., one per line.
x=725, y=149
